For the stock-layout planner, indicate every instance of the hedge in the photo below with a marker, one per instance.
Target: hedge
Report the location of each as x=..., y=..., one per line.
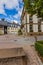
x=39, y=47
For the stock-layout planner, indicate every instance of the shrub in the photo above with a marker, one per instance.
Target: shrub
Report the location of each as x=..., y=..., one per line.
x=41, y=42
x=20, y=32
x=39, y=47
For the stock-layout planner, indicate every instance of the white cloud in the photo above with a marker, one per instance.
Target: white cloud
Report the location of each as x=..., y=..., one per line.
x=1, y=7
x=15, y=21
x=2, y=10
x=16, y=16
x=9, y=4
x=19, y=13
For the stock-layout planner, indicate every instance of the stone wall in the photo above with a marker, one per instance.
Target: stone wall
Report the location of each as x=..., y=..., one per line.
x=12, y=61
x=12, y=56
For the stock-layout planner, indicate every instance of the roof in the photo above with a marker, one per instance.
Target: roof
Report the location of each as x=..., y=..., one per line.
x=4, y=23
x=9, y=24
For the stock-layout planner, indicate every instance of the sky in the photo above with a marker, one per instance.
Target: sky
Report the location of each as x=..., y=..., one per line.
x=11, y=10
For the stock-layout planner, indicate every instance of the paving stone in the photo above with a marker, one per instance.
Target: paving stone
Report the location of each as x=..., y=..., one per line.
x=7, y=41
x=31, y=55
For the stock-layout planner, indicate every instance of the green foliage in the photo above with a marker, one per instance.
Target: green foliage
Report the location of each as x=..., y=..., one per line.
x=28, y=4
x=20, y=32
x=34, y=7
x=39, y=47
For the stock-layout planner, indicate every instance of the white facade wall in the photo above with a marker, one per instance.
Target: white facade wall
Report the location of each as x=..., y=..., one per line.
x=28, y=28
x=42, y=26
x=1, y=30
x=35, y=27
x=35, y=19
x=27, y=23
x=12, y=30
x=27, y=18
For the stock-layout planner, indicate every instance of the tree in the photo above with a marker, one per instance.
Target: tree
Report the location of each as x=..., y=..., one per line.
x=22, y=25
x=34, y=7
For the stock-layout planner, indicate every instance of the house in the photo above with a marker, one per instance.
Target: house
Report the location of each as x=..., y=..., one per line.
x=3, y=27
x=13, y=27
x=32, y=24
x=7, y=27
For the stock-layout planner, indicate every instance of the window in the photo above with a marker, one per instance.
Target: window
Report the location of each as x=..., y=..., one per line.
x=39, y=26
x=31, y=24
x=31, y=28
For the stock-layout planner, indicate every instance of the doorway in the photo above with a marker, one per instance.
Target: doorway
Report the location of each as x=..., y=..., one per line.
x=5, y=29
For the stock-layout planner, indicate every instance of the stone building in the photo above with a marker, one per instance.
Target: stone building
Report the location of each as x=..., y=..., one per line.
x=7, y=27
x=32, y=25
x=13, y=27
x=3, y=27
